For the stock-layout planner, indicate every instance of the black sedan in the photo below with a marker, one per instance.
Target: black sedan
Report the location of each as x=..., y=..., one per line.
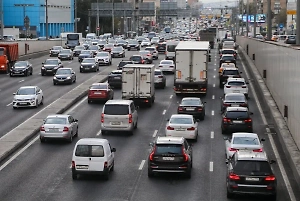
x=227, y=58
x=115, y=79
x=50, y=66
x=64, y=76
x=133, y=44
x=121, y=42
x=89, y=64
x=117, y=52
x=65, y=54
x=85, y=54
x=233, y=100
x=193, y=106
x=77, y=50
x=21, y=68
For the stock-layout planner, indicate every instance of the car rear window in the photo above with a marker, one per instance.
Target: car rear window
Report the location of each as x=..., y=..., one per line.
x=168, y=149
x=228, y=52
x=230, y=72
x=171, y=48
x=236, y=83
x=100, y=86
x=181, y=120
x=135, y=58
x=245, y=140
x=232, y=97
x=237, y=114
x=158, y=72
x=89, y=151
x=259, y=168
x=191, y=102
x=166, y=62
x=227, y=58
x=115, y=109
x=56, y=120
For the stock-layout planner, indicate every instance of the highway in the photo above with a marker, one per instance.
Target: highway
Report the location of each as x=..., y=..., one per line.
x=42, y=171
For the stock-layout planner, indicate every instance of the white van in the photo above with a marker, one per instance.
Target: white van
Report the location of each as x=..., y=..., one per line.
x=170, y=50
x=93, y=156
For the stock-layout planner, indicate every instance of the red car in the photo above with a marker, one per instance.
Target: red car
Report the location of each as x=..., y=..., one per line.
x=108, y=47
x=100, y=92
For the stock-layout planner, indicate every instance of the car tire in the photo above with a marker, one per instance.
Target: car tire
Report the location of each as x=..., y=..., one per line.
x=42, y=140
x=89, y=101
x=10, y=74
x=74, y=176
x=196, y=139
x=36, y=104
x=273, y=197
x=188, y=174
x=112, y=167
x=42, y=74
x=70, y=140
x=150, y=173
x=54, y=83
x=202, y=117
x=136, y=125
x=106, y=176
x=224, y=131
x=103, y=132
x=76, y=134
x=42, y=101
x=15, y=108
x=75, y=80
x=229, y=195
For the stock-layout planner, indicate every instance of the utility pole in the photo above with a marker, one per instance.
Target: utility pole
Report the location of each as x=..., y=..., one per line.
x=298, y=23
x=113, y=19
x=89, y=22
x=97, y=20
x=75, y=16
x=269, y=21
x=247, y=16
x=47, y=34
x=255, y=13
x=242, y=16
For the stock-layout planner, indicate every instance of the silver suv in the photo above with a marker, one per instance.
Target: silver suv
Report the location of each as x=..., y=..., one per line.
x=119, y=115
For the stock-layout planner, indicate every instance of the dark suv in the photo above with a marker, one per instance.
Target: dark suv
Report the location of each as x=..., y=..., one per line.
x=228, y=73
x=115, y=78
x=250, y=173
x=170, y=154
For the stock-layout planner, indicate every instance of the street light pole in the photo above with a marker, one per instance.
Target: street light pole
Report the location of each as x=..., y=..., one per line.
x=269, y=21
x=97, y=21
x=47, y=34
x=113, y=19
x=75, y=16
x=247, y=16
x=255, y=13
x=242, y=16
x=298, y=23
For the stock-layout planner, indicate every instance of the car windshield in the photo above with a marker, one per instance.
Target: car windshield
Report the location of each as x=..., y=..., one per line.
x=136, y=58
x=56, y=48
x=236, y=83
x=121, y=41
x=99, y=86
x=116, y=109
x=117, y=49
x=92, y=60
x=227, y=58
x=55, y=62
x=234, y=97
x=123, y=63
x=181, y=120
x=63, y=71
x=259, y=168
x=190, y=102
x=79, y=48
x=21, y=64
x=231, y=72
x=55, y=120
x=65, y=52
x=245, y=140
x=85, y=52
x=237, y=114
x=94, y=48
x=168, y=148
x=102, y=54
x=158, y=72
x=26, y=91
x=166, y=62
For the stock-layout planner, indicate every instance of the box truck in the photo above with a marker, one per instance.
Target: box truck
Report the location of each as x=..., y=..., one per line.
x=138, y=83
x=191, y=61
x=9, y=54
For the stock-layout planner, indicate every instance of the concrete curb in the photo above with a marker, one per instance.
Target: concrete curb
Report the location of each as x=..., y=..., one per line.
x=33, y=55
x=289, y=146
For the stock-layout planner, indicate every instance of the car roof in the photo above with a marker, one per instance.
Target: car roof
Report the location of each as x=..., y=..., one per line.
x=118, y=102
x=231, y=68
x=58, y=115
x=224, y=55
x=244, y=134
x=116, y=71
x=231, y=109
x=27, y=87
x=182, y=115
x=92, y=141
x=236, y=79
x=250, y=155
x=191, y=98
x=169, y=140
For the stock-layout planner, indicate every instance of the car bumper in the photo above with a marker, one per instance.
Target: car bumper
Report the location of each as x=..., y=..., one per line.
x=181, y=168
x=186, y=134
x=172, y=70
x=48, y=72
x=64, y=81
x=18, y=72
x=64, y=58
x=84, y=68
x=87, y=172
x=63, y=135
x=116, y=128
x=97, y=98
x=252, y=189
x=117, y=55
x=24, y=103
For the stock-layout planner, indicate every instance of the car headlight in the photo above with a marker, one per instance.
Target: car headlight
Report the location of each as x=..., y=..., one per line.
x=43, y=67
x=81, y=66
x=54, y=78
x=93, y=66
x=68, y=77
x=32, y=99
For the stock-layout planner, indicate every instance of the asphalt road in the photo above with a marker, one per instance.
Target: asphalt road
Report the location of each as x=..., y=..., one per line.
x=42, y=171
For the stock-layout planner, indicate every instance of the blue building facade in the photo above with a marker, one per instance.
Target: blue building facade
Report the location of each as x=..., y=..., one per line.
x=60, y=16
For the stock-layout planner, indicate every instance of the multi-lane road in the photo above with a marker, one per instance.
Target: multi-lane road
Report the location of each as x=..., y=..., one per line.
x=42, y=171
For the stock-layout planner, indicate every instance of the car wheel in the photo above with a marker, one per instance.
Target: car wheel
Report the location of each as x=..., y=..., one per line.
x=202, y=117
x=76, y=134
x=42, y=74
x=229, y=195
x=273, y=197
x=136, y=125
x=36, y=104
x=89, y=101
x=224, y=131
x=112, y=167
x=14, y=107
x=42, y=101
x=196, y=139
x=42, y=140
x=221, y=85
x=74, y=176
x=26, y=73
x=10, y=74
x=70, y=140
x=150, y=173
x=106, y=176
x=188, y=174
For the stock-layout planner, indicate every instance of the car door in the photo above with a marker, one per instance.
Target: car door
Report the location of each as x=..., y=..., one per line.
x=71, y=124
x=110, y=155
x=134, y=112
x=39, y=94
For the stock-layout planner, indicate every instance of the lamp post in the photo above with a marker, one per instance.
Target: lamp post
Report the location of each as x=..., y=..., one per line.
x=113, y=19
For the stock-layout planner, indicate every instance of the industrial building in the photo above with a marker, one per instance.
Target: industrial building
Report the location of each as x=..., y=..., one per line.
x=60, y=16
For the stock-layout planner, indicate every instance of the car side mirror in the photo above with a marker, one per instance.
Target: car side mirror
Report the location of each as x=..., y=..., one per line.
x=113, y=150
x=75, y=120
x=262, y=139
x=225, y=138
x=251, y=113
x=272, y=161
x=43, y=62
x=14, y=93
x=151, y=144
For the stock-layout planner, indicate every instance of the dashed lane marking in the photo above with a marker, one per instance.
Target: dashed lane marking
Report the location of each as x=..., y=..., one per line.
x=99, y=133
x=211, y=166
x=212, y=135
x=142, y=164
x=213, y=97
x=164, y=112
x=212, y=113
x=155, y=133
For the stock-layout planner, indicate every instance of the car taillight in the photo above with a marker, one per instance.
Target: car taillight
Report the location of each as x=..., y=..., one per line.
x=130, y=118
x=233, y=176
x=185, y=156
x=228, y=86
x=180, y=108
x=42, y=128
x=102, y=118
x=105, y=164
x=258, y=150
x=244, y=86
x=142, y=61
x=270, y=178
x=248, y=120
x=148, y=54
x=160, y=76
x=152, y=154
x=170, y=128
x=191, y=129
x=160, y=66
x=243, y=105
x=171, y=66
x=66, y=129
x=232, y=149
x=200, y=108
x=226, y=120
x=226, y=104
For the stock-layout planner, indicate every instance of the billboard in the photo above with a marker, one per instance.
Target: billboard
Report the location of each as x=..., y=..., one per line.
x=260, y=18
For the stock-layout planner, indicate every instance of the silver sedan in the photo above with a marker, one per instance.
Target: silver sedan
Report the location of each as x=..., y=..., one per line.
x=182, y=125
x=242, y=141
x=59, y=127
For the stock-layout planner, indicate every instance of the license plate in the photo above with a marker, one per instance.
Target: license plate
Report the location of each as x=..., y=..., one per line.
x=17, y=72
x=236, y=91
x=49, y=70
x=53, y=129
x=251, y=179
x=61, y=80
x=234, y=105
x=23, y=103
x=82, y=167
x=116, y=123
x=180, y=129
x=168, y=158
x=97, y=93
x=237, y=122
x=117, y=78
x=227, y=61
x=190, y=109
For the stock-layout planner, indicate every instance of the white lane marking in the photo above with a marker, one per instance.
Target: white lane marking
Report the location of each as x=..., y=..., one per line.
x=99, y=133
x=214, y=76
x=21, y=81
x=212, y=113
x=18, y=153
x=40, y=73
x=71, y=166
x=215, y=69
x=214, y=85
x=215, y=64
x=164, y=112
x=213, y=97
x=142, y=164
x=211, y=166
x=9, y=104
x=271, y=139
x=171, y=96
x=155, y=133
x=212, y=134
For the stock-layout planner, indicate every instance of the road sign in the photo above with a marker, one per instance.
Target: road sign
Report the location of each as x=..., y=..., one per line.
x=291, y=8
x=281, y=26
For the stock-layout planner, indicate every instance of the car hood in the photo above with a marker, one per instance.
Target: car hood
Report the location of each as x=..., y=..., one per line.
x=106, y=57
x=63, y=76
x=24, y=96
x=50, y=66
x=88, y=64
x=64, y=54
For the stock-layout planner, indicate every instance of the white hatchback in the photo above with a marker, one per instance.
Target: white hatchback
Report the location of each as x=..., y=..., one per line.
x=236, y=85
x=182, y=125
x=28, y=96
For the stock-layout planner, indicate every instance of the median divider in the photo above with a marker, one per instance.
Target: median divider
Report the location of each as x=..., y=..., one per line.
x=17, y=137
x=287, y=142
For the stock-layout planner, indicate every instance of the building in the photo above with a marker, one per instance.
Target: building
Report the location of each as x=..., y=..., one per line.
x=276, y=5
x=181, y=4
x=60, y=16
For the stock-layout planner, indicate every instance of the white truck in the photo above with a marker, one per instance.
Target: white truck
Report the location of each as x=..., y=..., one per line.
x=138, y=83
x=191, y=61
x=170, y=49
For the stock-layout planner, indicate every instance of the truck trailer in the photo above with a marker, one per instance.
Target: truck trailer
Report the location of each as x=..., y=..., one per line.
x=9, y=54
x=138, y=83
x=191, y=64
